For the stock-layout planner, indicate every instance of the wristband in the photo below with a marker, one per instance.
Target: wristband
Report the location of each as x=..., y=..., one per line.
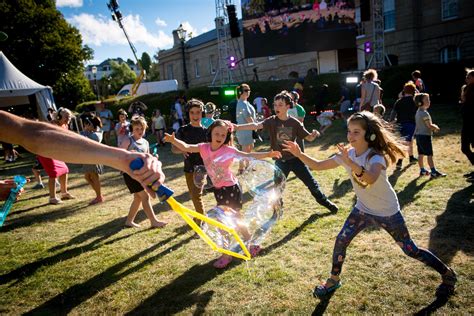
x=361, y=173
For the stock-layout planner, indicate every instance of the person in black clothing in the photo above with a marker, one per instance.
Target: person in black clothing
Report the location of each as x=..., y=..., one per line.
x=322, y=99
x=193, y=133
x=404, y=111
x=467, y=131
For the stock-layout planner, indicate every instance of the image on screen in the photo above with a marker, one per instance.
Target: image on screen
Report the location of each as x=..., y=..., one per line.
x=276, y=27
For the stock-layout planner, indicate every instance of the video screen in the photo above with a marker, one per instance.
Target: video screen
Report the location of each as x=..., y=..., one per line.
x=276, y=27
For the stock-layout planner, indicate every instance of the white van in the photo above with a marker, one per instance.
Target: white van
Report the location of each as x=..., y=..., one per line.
x=149, y=87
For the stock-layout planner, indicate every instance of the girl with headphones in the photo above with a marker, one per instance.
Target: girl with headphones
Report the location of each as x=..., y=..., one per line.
x=218, y=155
x=122, y=128
x=372, y=146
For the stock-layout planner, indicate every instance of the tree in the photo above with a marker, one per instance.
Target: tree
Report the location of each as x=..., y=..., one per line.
x=145, y=61
x=121, y=75
x=45, y=47
x=154, y=73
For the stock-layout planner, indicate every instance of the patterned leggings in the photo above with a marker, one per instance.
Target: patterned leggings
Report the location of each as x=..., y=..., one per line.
x=394, y=225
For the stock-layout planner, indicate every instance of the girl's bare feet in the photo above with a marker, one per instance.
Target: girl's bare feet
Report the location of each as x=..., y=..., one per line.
x=131, y=225
x=159, y=224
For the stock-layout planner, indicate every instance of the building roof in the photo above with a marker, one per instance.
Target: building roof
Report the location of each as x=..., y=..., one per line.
x=206, y=37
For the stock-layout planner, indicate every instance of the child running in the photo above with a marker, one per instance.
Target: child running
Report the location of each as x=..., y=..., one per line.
x=218, y=155
x=372, y=145
x=136, y=142
x=282, y=127
x=423, y=133
x=91, y=172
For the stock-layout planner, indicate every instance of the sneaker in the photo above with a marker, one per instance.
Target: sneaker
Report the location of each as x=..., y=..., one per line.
x=38, y=186
x=67, y=196
x=468, y=175
x=424, y=172
x=55, y=201
x=329, y=205
x=399, y=164
x=437, y=174
x=326, y=288
x=413, y=159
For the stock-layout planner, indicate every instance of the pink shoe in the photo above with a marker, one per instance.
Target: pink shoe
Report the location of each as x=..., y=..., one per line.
x=97, y=200
x=222, y=262
x=254, y=250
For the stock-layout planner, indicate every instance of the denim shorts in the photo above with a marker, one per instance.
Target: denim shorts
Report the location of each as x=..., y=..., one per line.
x=424, y=145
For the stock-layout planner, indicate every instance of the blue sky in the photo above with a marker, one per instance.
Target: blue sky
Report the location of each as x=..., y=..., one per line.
x=149, y=24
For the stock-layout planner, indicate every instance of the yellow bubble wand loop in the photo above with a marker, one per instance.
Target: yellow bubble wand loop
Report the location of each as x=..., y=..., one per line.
x=165, y=194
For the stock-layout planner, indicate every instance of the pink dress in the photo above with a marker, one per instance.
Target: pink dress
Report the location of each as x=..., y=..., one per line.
x=218, y=164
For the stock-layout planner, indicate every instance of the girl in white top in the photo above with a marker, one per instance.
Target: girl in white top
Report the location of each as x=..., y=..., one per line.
x=372, y=145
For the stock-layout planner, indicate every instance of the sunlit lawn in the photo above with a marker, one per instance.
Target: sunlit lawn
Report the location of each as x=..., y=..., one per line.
x=79, y=259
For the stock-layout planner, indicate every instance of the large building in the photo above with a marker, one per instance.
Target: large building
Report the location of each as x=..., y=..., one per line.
x=420, y=31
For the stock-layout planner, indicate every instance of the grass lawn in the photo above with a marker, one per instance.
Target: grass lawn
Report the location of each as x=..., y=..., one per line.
x=79, y=259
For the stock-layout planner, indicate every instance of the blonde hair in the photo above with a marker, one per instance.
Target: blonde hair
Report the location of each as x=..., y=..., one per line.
x=371, y=74
x=385, y=142
x=139, y=120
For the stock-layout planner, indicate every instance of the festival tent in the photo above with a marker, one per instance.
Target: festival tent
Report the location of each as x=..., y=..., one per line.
x=18, y=89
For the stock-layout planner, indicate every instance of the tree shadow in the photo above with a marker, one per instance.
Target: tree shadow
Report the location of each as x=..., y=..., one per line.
x=453, y=231
x=30, y=268
x=63, y=303
x=179, y=295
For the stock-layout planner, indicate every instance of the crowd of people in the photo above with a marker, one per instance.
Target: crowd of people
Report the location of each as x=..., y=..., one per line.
x=205, y=140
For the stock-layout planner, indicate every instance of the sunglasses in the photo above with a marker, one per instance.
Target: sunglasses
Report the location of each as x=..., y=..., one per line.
x=246, y=90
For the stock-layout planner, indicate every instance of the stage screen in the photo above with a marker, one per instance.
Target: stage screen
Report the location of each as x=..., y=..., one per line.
x=287, y=27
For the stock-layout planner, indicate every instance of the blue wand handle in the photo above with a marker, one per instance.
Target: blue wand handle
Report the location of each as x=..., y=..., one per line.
x=163, y=192
x=20, y=182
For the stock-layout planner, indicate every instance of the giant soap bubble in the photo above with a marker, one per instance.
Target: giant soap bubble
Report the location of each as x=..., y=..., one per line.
x=262, y=184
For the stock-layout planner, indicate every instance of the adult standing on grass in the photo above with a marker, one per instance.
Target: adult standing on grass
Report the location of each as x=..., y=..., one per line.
x=372, y=146
x=48, y=140
x=467, y=131
x=105, y=116
x=370, y=93
x=245, y=113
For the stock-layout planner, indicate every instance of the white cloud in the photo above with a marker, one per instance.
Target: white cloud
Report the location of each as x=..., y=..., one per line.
x=160, y=22
x=100, y=30
x=190, y=29
x=69, y=3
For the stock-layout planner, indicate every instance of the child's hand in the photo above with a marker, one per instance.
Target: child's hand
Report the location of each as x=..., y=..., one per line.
x=436, y=128
x=315, y=133
x=344, y=153
x=235, y=127
x=274, y=154
x=169, y=138
x=292, y=148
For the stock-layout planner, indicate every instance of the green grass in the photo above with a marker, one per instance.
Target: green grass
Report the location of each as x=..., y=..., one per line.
x=78, y=259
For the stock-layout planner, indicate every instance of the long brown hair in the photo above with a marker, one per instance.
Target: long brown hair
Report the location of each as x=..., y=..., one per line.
x=380, y=135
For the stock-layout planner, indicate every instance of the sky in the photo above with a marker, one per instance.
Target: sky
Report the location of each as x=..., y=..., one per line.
x=149, y=24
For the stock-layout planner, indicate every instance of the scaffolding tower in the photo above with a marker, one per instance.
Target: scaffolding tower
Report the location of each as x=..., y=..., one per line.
x=226, y=46
x=378, y=57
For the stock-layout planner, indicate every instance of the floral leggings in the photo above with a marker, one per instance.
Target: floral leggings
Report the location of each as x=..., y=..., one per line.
x=394, y=225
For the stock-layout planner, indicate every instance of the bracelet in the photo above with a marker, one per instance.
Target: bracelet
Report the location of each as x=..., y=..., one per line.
x=361, y=173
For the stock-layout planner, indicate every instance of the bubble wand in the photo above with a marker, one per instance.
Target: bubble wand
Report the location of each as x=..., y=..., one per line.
x=165, y=194
x=20, y=182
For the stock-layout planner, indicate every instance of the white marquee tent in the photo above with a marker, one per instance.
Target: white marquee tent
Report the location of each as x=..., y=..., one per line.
x=17, y=89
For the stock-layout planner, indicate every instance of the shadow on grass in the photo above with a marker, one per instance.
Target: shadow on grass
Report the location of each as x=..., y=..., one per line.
x=407, y=195
x=108, y=229
x=179, y=295
x=453, y=231
x=322, y=305
x=63, y=303
x=435, y=305
x=339, y=189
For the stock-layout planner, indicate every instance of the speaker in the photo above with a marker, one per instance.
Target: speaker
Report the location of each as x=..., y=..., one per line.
x=233, y=22
x=365, y=10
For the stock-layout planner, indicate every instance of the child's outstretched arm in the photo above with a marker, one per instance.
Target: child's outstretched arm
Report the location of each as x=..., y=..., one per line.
x=314, y=134
x=312, y=163
x=261, y=155
x=368, y=176
x=248, y=127
x=180, y=144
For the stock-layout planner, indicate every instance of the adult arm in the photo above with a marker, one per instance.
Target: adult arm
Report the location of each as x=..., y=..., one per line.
x=51, y=141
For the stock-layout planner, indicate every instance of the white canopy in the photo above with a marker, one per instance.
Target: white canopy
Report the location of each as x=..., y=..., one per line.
x=17, y=89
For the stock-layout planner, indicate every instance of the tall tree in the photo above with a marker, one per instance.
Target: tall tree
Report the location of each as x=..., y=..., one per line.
x=45, y=47
x=121, y=75
x=145, y=61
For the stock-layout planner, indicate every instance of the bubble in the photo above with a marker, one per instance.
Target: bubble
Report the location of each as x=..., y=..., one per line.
x=265, y=182
x=260, y=117
x=201, y=179
x=225, y=107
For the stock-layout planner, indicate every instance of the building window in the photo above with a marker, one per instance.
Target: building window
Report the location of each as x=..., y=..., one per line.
x=449, y=9
x=272, y=57
x=196, y=68
x=169, y=72
x=449, y=54
x=212, y=64
x=250, y=62
x=359, y=24
x=389, y=15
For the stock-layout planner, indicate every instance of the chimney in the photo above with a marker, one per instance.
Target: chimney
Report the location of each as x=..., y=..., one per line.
x=176, y=40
